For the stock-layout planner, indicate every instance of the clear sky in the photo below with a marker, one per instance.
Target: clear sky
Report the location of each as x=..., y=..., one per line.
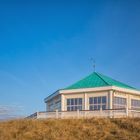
x=45, y=46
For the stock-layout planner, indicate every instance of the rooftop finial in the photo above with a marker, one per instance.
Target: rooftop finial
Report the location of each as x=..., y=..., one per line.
x=93, y=64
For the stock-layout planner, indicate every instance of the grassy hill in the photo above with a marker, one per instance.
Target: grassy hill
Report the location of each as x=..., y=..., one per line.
x=74, y=129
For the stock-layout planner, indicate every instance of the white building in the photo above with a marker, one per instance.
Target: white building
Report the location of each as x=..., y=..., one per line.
x=94, y=92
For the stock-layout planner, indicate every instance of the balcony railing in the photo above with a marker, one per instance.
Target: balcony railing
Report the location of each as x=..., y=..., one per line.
x=108, y=113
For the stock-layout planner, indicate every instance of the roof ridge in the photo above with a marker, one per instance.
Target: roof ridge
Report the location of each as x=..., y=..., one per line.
x=102, y=79
x=96, y=79
x=116, y=81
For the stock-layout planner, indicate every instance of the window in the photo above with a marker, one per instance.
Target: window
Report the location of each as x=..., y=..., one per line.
x=74, y=104
x=95, y=103
x=119, y=102
x=135, y=104
x=57, y=105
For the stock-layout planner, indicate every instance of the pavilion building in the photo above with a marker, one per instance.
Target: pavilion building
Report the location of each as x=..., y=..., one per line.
x=94, y=92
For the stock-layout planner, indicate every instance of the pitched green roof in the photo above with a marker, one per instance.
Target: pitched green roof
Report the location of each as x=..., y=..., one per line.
x=98, y=80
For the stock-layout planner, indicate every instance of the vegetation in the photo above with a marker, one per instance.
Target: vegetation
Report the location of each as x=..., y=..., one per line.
x=71, y=129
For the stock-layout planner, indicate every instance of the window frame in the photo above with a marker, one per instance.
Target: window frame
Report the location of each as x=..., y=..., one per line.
x=119, y=102
x=96, y=102
x=74, y=104
x=135, y=104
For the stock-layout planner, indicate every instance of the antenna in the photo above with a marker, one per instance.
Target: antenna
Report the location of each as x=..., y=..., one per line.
x=93, y=64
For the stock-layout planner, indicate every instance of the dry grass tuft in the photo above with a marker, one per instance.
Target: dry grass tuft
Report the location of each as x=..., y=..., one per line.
x=71, y=129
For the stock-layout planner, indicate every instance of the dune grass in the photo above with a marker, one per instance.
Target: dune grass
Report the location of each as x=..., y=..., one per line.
x=71, y=129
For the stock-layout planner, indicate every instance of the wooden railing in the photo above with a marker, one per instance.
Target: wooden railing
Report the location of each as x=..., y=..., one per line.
x=110, y=113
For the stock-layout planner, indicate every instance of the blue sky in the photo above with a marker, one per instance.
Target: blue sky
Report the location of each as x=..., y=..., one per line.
x=45, y=46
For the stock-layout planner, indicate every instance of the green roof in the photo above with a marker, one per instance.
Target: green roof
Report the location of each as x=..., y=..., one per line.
x=98, y=80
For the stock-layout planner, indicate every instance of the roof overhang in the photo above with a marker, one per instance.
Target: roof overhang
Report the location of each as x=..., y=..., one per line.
x=85, y=90
x=136, y=92
x=97, y=89
x=51, y=96
x=131, y=91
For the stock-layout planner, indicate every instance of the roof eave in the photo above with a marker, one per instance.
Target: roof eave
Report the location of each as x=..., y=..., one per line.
x=51, y=96
x=136, y=92
x=85, y=89
x=132, y=91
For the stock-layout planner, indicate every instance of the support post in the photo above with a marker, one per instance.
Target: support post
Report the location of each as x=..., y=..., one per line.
x=101, y=112
x=85, y=102
x=127, y=111
x=110, y=103
x=128, y=105
x=62, y=102
x=56, y=114
x=78, y=113
x=110, y=100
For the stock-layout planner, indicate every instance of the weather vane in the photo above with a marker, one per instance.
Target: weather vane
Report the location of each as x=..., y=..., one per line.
x=93, y=64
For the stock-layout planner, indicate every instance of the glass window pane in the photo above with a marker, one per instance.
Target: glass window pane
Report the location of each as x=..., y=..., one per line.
x=95, y=100
x=98, y=107
x=99, y=100
x=91, y=108
x=103, y=107
x=104, y=99
x=119, y=102
x=80, y=107
x=74, y=104
x=135, y=104
x=115, y=100
x=68, y=108
x=77, y=107
x=95, y=107
x=72, y=108
x=68, y=101
x=125, y=101
x=72, y=101
x=90, y=100
x=80, y=101
x=76, y=101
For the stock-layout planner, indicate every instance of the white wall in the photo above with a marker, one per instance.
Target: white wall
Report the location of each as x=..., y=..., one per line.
x=59, y=102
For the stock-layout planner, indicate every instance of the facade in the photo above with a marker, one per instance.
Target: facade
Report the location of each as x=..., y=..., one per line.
x=95, y=92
